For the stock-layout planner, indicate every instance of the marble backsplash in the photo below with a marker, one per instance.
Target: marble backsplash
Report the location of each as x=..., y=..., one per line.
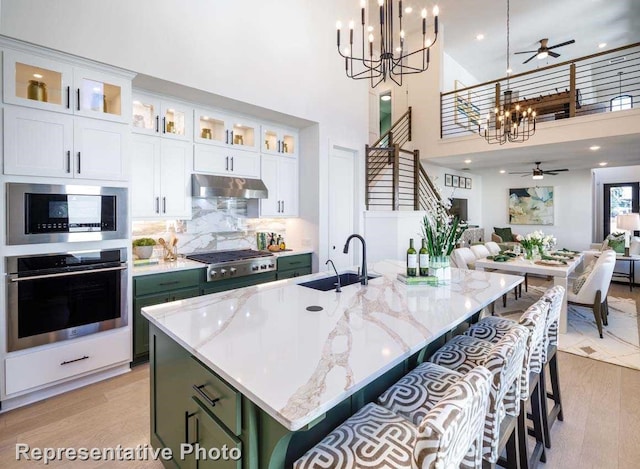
x=216, y=224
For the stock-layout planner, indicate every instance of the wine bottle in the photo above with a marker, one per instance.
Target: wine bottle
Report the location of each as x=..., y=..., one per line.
x=412, y=260
x=424, y=259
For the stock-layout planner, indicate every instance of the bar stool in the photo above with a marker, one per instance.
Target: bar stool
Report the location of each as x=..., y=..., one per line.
x=415, y=394
x=448, y=436
x=492, y=329
x=554, y=296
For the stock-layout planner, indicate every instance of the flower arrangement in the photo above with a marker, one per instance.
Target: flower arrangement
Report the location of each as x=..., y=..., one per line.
x=616, y=241
x=441, y=230
x=538, y=240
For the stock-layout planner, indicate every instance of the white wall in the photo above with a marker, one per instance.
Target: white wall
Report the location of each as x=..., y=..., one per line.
x=388, y=234
x=473, y=195
x=452, y=71
x=276, y=55
x=572, y=205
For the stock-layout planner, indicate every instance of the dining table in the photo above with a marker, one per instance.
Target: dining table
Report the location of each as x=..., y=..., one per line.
x=560, y=271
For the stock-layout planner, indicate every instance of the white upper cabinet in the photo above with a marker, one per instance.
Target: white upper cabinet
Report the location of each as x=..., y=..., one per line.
x=230, y=162
x=153, y=115
x=34, y=81
x=280, y=175
x=41, y=143
x=278, y=140
x=216, y=128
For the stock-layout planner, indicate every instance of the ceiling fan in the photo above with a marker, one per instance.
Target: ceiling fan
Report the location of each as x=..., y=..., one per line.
x=544, y=51
x=538, y=172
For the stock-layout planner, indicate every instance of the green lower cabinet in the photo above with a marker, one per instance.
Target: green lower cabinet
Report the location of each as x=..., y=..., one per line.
x=294, y=266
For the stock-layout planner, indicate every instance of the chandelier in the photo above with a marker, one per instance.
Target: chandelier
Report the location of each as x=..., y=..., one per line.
x=511, y=121
x=393, y=58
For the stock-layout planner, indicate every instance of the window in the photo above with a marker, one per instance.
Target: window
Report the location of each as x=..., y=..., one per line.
x=618, y=199
x=624, y=101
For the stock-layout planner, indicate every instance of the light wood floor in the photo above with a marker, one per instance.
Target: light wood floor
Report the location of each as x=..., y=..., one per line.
x=601, y=429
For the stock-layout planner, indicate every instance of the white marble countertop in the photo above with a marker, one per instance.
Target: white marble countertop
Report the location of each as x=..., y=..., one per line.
x=162, y=267
x=296, y=364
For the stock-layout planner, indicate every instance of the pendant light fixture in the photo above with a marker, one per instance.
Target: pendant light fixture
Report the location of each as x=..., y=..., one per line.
x=510, y=122
x=384, y=54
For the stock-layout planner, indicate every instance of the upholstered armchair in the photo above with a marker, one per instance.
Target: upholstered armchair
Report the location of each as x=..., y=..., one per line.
x=501, y=236
x=591, y=288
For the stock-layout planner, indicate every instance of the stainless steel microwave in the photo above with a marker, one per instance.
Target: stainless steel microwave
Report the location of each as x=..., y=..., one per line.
x=46, y=213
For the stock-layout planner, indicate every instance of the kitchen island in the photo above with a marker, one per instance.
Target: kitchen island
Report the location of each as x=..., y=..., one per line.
x=254, y=370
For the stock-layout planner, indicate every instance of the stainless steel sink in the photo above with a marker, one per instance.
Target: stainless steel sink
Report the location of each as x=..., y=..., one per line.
x=329, y=283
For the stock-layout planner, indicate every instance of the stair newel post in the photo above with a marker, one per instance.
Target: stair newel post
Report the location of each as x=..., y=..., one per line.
x=390, y=146
x=416, y=179
x=366, y=172
x=409, y=124
x=396, y=177
x=573, y=98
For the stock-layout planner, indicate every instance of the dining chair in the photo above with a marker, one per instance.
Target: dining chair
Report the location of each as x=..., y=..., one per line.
x=590, y=289
x=481, y=251
x=493, y=247
x=463, y=258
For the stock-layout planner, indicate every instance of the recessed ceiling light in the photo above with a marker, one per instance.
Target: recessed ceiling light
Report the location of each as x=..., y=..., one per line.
x=603, y=163
x=37, y=75
x=385, y=97
x=408, y=10
x=502, y=171
x=480, y=37
x=602, y=45
x=467, y=161
x=594, y=148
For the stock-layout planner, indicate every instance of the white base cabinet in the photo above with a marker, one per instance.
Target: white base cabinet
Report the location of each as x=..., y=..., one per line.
x=42, y=143
x=223, y=161
x=160, y=178
x=280, y=175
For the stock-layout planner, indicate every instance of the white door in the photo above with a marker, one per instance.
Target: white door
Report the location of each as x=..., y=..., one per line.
x=211, y=159
x=175, y=178
x=145, y=177
x=37, y=143
x=99, y=149
x=342, y=200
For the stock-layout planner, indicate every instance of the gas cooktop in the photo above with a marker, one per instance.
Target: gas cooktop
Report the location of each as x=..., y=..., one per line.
x=235, y=263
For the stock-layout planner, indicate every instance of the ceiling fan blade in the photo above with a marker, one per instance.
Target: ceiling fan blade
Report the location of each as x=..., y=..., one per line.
x=562, y=44
x=549, y=173
x=556, y=170
x=553, y=54
x=527, y=52
x=530, y=59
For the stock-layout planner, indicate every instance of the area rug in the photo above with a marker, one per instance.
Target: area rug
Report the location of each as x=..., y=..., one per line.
x=620, y=344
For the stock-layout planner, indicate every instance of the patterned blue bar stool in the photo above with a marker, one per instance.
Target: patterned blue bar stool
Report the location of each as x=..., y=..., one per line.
x=377, y=438
x=416, y=393
x=493, y=329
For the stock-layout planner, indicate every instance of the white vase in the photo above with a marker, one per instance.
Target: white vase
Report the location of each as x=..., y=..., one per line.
x=440, y=268
x=143, y=252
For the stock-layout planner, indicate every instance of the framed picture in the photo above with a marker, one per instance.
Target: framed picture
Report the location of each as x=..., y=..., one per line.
x=447, y=180
x=468, y=183
x=531, y=206
x=463, y=182
x=455, y=181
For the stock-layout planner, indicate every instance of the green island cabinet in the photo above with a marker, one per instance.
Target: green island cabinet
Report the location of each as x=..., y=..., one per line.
x=154, y=289
x=294, y=266
x=192, y=405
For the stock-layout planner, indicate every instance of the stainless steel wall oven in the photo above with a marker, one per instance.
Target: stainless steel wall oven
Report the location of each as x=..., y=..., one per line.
x=56, y=297
x=47, y=213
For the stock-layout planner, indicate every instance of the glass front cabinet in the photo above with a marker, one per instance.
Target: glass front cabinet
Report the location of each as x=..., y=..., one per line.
x=276, y=140
x=155, y=116
x=37, y=82
x=220, y=129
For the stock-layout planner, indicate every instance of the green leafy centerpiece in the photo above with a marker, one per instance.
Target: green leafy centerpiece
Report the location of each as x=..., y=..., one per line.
x=616, y=241
x=536, y=244
x=143, y=247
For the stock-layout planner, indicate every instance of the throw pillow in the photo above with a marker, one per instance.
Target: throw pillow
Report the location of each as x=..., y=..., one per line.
x=579, y=281
x=504, y=233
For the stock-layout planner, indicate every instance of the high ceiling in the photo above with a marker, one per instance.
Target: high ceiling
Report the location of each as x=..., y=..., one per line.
x=589, y=22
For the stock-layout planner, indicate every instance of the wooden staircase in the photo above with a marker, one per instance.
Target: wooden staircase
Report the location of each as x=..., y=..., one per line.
x=396, y=180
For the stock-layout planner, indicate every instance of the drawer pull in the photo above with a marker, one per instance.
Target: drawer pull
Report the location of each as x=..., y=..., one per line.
x=173, y=282
x=200, y=390
x=73, y=361
x=295, y=262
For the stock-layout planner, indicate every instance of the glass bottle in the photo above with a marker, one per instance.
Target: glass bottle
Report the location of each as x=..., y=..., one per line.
x=412, y=260
x=424, y=259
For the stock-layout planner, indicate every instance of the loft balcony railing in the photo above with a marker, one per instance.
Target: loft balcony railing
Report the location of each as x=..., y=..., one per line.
x=604, y=82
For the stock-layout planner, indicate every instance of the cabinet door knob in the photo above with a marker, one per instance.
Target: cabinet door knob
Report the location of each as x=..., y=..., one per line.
x=157, y=204
x=283, y=206
x=164, y=205
x=226, y=138
x=157, y=123
x=68, y=97
x=68, y=161
x=78, y=98
x=231, y=141
x=164, y=125
x=232, y=160
x=79, y=161
x=227, y=163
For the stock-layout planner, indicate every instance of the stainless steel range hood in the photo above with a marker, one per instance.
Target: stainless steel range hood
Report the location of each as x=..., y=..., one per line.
x=206, y=185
